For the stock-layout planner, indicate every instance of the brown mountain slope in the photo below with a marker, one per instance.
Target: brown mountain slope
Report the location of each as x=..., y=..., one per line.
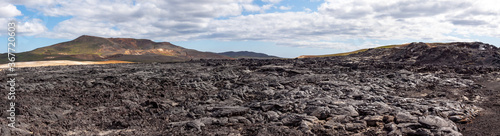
x=126, y=49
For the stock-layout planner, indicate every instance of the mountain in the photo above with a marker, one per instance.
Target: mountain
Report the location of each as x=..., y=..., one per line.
x=247, y=54
x=126, y=49
x=455, y=53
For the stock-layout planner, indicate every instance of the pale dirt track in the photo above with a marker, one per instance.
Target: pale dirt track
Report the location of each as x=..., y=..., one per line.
x=58, y=63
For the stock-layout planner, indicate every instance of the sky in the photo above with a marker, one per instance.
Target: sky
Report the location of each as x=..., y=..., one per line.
x=285, y=28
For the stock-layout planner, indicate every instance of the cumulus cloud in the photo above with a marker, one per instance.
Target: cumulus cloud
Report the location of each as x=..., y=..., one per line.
x=8, y=10
x=285, y=7
x=25, y=27
x=171, y=20
x=272, y=1
x=251, y=7
x=328, y=44
x=257, y=8
x=31, y=27
x=332, y=21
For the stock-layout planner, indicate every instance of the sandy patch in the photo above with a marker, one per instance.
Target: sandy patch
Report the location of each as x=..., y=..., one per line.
x=59, y=63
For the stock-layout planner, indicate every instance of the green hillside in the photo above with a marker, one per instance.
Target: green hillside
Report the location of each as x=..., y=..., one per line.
x=352, y=52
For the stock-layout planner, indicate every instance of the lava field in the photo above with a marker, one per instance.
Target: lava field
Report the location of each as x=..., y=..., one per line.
x=318, y=96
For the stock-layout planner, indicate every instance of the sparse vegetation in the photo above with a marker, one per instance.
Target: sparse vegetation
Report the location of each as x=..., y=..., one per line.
x=91, y=48
x=363, y=50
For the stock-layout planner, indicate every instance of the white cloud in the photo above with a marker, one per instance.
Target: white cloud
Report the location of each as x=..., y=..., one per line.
x=25, y=27
x=337, y=20
x=251, y=7
x=266, y=7
x=31, y=27
x=169, y=20
x=285, y=7
x=334, y=20
x=307, y=10
x=330, y=45
x=3, y=25
x=8, y=10
x=272, y=1
x=256, y=8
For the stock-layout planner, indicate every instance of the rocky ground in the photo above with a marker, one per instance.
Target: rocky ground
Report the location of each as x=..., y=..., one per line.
x=320, y=96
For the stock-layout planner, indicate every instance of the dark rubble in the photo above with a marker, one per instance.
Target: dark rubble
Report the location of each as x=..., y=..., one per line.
x=320, y=96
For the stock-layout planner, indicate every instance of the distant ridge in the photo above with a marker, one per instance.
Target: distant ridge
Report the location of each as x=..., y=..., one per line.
x=455, y=53
x=352, y=52
x=247, y=54
x=95, y=48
